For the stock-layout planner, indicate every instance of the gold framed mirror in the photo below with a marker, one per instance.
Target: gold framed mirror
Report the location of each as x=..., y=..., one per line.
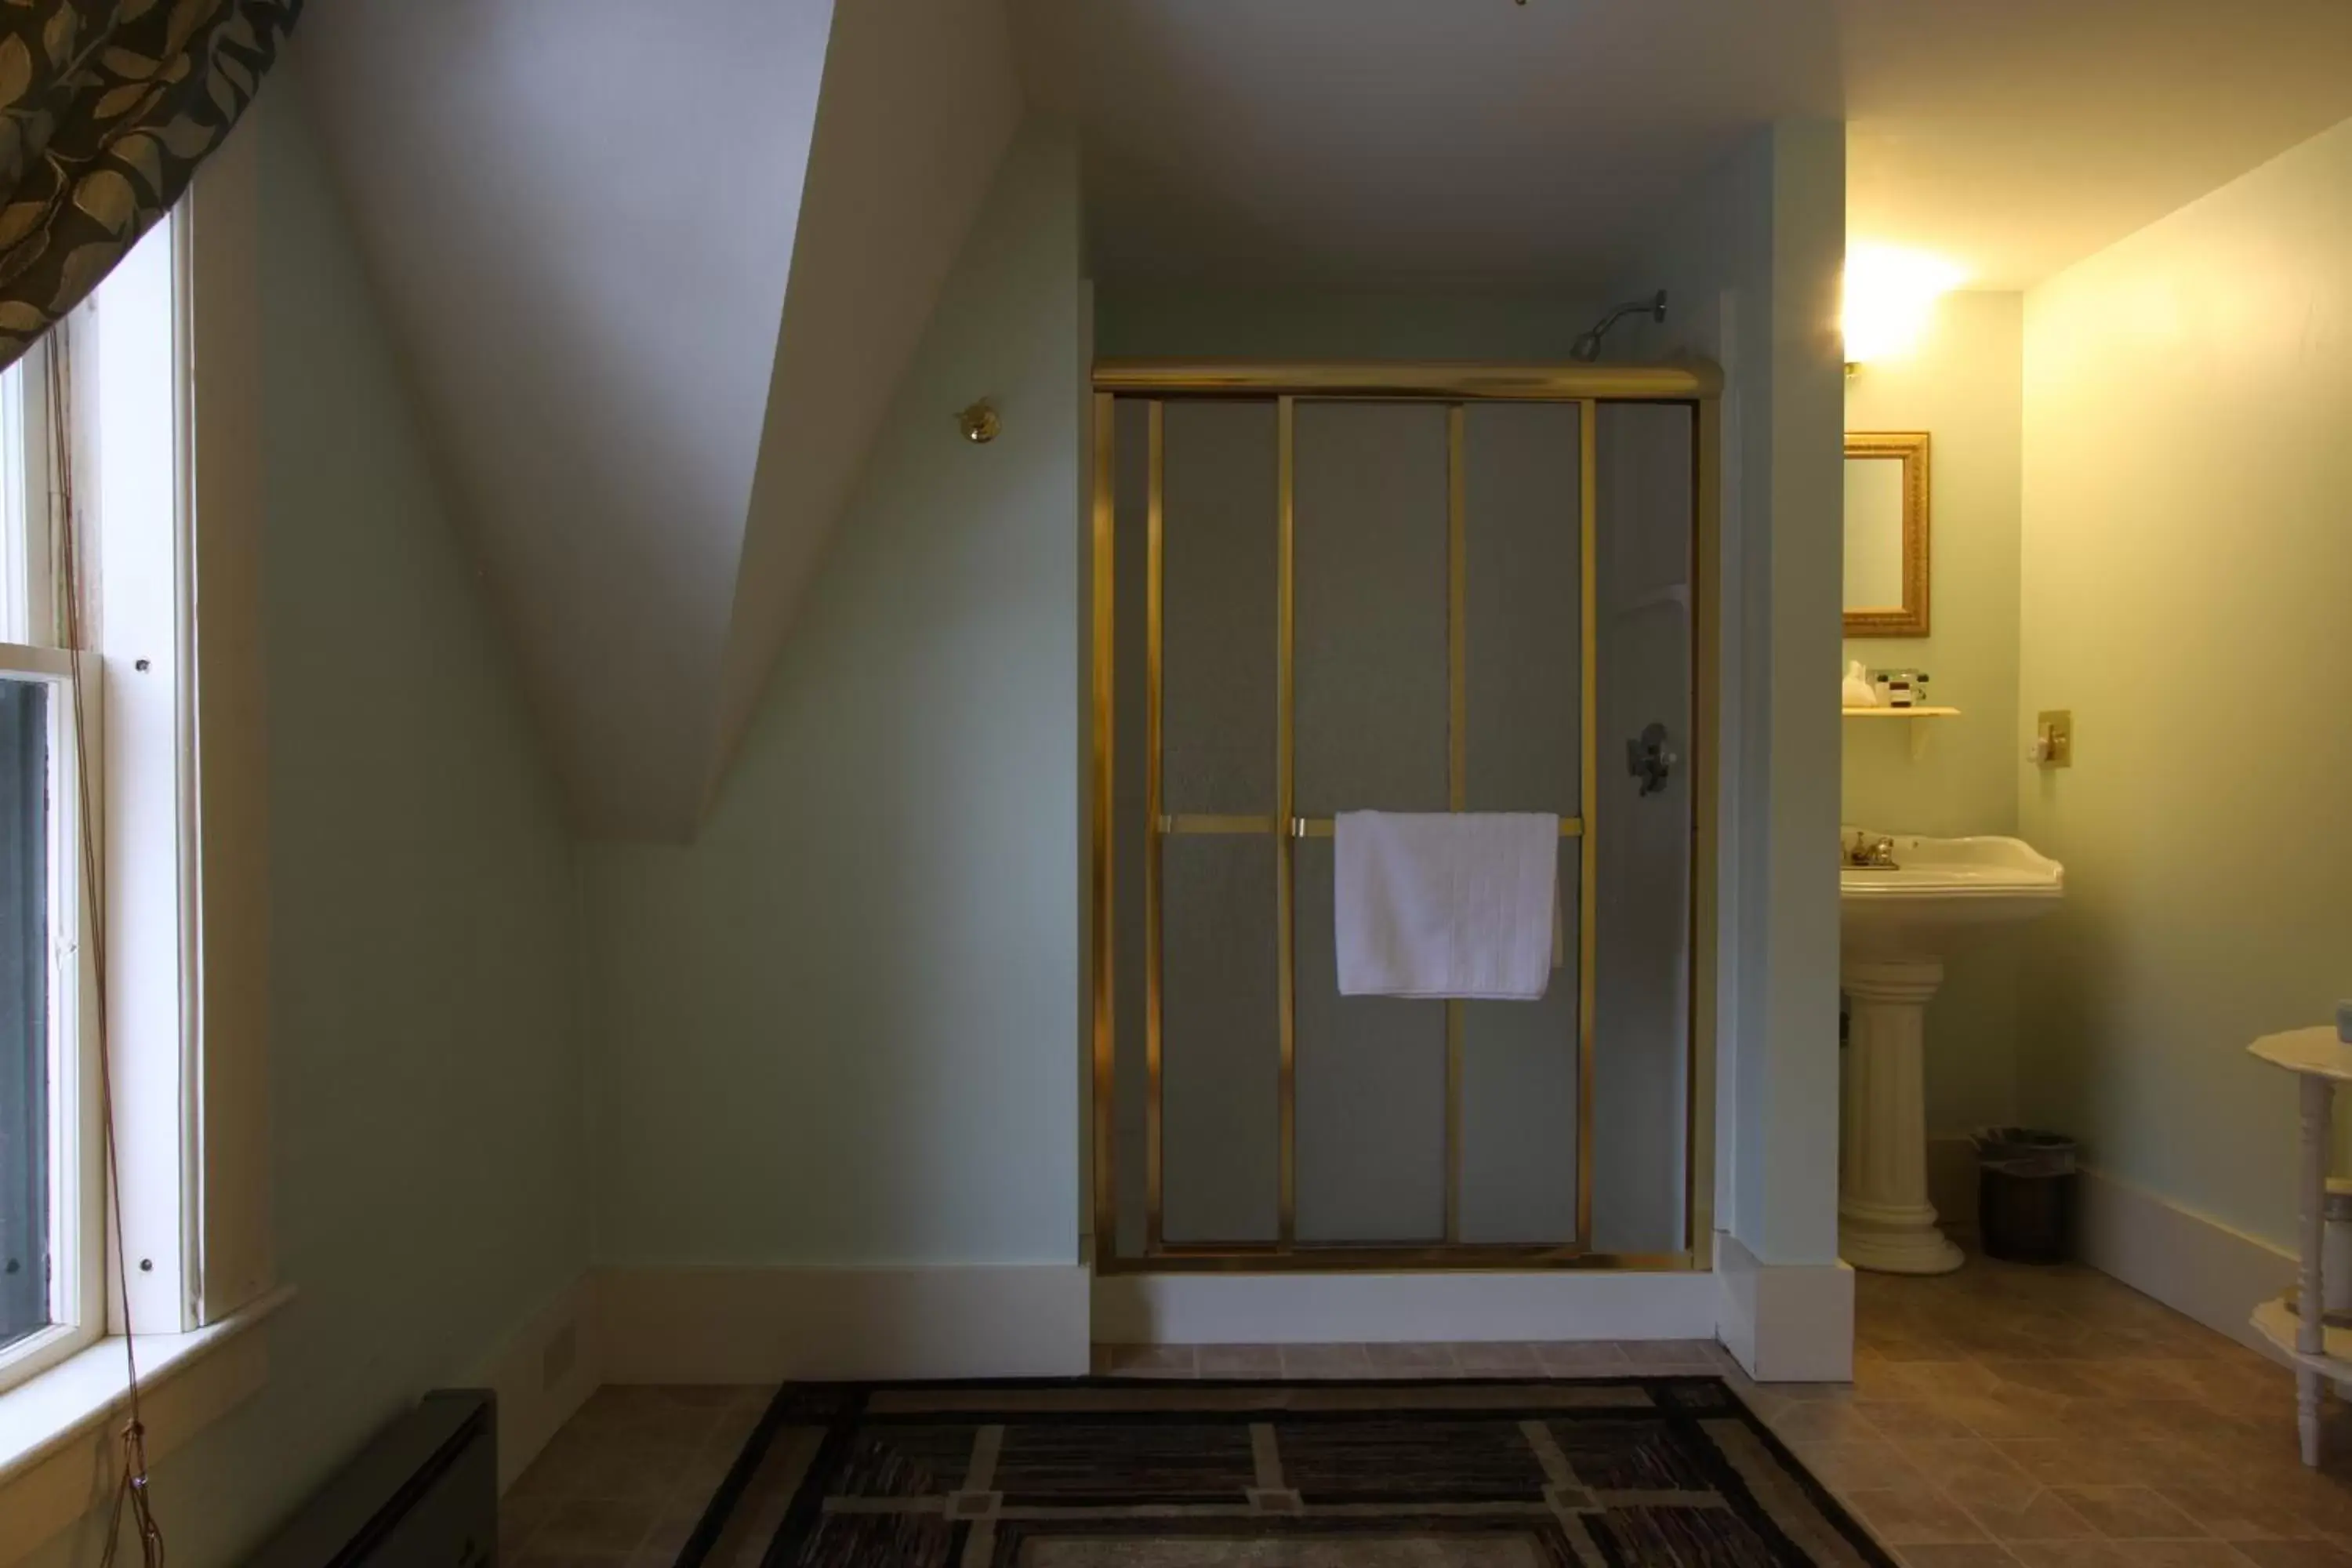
x=1886, y=533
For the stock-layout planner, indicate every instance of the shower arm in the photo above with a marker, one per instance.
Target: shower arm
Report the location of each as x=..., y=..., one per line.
x=1586, y=347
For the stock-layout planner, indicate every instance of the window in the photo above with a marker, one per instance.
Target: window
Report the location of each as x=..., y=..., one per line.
x=95, y=407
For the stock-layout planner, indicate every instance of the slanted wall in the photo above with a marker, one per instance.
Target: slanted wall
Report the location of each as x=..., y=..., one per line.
x=841, y=1026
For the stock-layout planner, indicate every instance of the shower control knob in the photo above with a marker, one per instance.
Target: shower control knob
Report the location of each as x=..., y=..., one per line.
x=1649, y=759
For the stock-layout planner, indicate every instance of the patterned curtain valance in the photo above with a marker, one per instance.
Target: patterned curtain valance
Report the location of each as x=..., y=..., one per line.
x=106, y=109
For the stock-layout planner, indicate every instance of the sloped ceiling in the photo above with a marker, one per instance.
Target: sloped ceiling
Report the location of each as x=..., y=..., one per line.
x=655, y=269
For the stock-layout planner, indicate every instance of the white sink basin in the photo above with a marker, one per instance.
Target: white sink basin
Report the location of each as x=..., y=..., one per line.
x=1942, y=893
x=1895, y=924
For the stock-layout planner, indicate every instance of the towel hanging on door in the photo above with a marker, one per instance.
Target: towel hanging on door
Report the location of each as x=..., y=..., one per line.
x=1445, y=904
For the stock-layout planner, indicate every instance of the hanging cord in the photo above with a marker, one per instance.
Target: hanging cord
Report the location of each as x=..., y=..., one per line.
x=131, y=1486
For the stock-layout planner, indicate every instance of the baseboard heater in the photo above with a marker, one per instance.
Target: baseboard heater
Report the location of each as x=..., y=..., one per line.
x=423, y=1494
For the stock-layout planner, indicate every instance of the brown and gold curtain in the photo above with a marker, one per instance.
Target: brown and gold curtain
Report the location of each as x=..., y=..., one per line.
x=106, y=109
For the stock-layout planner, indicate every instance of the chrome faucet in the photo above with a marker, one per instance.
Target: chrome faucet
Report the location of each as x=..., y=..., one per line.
x=1871, y=851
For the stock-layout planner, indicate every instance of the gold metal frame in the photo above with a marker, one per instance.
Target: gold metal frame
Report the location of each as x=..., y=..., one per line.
x=1458, y=775
x=1421, y=382
x=1453, y=384
x=1910, y=618
x=1155, y=565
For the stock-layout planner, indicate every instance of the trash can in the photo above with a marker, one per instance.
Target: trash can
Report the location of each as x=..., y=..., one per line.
x=2025, y=1194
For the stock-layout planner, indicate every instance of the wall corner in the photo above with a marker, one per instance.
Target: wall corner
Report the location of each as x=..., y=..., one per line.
x=1785, y=1323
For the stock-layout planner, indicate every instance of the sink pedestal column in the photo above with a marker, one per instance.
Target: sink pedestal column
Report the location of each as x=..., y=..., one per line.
x=1884, y=1221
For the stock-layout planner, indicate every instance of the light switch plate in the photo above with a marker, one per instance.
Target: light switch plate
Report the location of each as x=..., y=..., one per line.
x=2055, y=727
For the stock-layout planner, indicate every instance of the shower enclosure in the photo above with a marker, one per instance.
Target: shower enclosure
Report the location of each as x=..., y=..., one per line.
x=1326, y=588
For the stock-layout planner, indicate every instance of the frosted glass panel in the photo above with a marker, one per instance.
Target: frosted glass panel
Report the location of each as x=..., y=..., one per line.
x=1220, y=490
x=1371, y=633
x=1372, y=1092
x=1518, y=1103
x=1641, y=1035
x=1131, y=495
x=1525, y=692
x=1221, y=1055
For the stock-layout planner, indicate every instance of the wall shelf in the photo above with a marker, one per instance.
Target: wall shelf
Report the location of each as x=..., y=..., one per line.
x=1900, y=712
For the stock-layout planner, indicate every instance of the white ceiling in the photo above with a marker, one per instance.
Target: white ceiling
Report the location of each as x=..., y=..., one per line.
x=1483, y=141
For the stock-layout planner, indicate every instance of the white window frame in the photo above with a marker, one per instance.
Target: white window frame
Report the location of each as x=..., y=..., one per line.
x=139, y=575
x=60, y=1427
x=76, y=1183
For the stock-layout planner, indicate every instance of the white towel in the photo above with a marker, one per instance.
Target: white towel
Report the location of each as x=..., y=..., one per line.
x=1445, y=904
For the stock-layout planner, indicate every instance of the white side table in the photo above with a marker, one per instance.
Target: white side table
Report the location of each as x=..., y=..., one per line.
x=2321, y=1354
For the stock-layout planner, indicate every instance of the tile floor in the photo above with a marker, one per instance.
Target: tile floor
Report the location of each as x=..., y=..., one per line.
x=2000, y=1417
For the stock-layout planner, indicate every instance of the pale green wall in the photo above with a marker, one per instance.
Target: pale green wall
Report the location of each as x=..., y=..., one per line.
x=843, y=1025
x=2187, y=569
x=426, y=1072
x=1165, y=319
x=1964, y=385
x=1750, y=258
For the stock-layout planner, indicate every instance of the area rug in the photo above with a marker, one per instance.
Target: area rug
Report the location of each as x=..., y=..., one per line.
x=1124, y=1473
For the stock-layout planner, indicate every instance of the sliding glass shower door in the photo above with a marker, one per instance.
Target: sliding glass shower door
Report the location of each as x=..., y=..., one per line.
x=1317, y=606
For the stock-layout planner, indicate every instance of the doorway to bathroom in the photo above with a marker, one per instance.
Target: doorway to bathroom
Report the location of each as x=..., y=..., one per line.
x=1320, y=589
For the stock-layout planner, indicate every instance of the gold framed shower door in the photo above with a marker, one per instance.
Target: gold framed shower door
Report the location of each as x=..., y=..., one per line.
x=1158, y=381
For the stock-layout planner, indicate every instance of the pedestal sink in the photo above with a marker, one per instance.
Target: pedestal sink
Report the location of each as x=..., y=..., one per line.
x=1895, y=926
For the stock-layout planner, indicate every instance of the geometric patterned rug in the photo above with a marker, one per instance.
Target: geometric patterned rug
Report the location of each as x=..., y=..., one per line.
x=1126, y=1473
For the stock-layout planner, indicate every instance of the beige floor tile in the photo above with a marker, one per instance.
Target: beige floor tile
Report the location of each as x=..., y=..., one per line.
x=1916, y=1420
x=2130, y=1513
x=1825, y=1420
x=1972, y=1473
x=1498, y=1358
x=2069, y=1554
x=596, y=1525
x=2296, y=1554
x=518, y=1517
x=2007, y=1411
x=2044, y=1516
x=662, y=1544
x=1239, y=1361
x=634, y=1472
x=2067, y=1461
x=1924, y=1379
x=1412, y=1360
x=2137, y=1554
x=1975, y=1554
x=1149, y=1361
x=1674, y=1355
x=1325, y=1360
x=2071, y=1379
x=1584, y=1358
x=2243, y=1512
x=1847, y=1466
x=1913, y=1516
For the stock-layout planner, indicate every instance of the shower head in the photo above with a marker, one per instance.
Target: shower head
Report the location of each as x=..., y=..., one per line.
x=1586, y=347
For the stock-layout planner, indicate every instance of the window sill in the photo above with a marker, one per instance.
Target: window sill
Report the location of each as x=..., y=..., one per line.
x=58, y=1428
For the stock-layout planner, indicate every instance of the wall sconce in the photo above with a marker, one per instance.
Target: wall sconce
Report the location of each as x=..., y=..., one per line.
x=979, y=423
x=1890, y=298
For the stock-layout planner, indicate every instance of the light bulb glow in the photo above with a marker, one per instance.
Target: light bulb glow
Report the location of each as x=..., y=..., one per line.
x=1890, y=298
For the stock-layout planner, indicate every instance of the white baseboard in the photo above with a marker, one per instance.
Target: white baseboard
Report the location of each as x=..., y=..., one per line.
x=1785, y=1323
x=543, y=1374
x=767, y=1324
x=1308, y=1309
x=2191, y=1262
